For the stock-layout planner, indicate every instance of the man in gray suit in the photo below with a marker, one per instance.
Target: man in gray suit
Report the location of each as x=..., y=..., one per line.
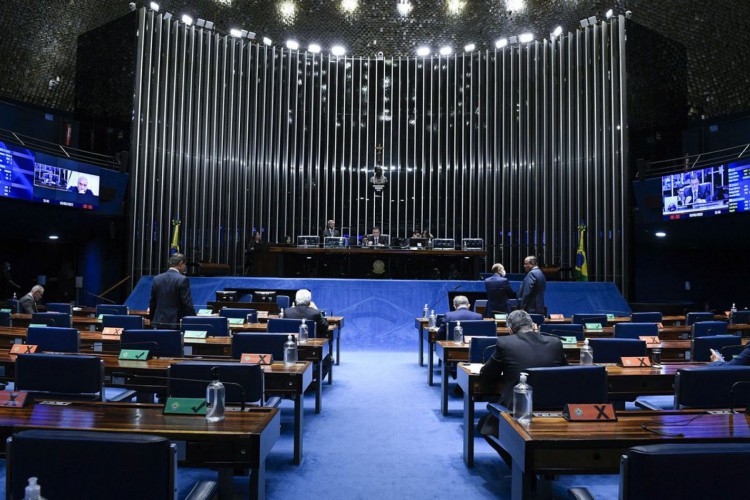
x=531, y=292
x=170, y=295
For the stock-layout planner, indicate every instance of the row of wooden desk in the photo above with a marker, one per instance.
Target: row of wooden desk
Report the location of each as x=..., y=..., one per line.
x=624, y=384
x=149, y=376
x=675, y=343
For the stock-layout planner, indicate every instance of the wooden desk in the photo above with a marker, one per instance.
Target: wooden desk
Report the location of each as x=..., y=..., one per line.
x=552, y=445
x=624, y=384
x=96, y=342
x=150, y=376
x=242, y=440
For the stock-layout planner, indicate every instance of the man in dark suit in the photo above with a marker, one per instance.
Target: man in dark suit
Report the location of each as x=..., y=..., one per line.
x=498, y=292
x=742, y=359
x=531, y=291
x=330, y=230
x=524, y=348
x=376, y=239
x=303, y=310
x=28, y=301
x=461, y=312
x=170, y=295
x=695, y=192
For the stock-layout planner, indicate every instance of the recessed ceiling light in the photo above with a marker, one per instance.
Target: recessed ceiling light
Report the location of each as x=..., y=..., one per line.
x=292, y=44
x=54, y=237
x=338, y=50
x=423, y=51
x=314, y=48
x=660, y=234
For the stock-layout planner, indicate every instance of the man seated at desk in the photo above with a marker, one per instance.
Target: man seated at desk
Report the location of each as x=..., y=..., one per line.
x=524, y=348
x=461, y=313
x=376, y=239
x=303, y=310
x=28, y=301
x=696, y=192
x=742, y=359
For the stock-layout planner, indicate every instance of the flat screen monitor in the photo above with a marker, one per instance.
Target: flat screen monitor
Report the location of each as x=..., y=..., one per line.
x=443, y=244
x=226, y=295
x=334, y=242
x=29, y=175
x=418, y=242
x=308, y=241
x=472, y=244
x=715, y=190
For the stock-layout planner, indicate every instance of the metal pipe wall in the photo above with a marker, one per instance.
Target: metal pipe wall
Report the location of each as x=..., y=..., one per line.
x=517, y=146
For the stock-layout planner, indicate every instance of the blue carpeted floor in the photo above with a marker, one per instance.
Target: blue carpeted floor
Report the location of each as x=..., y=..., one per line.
x=381, y=435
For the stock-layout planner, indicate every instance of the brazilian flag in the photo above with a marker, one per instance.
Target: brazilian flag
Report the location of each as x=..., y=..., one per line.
x=582, y=268
x=175, y=246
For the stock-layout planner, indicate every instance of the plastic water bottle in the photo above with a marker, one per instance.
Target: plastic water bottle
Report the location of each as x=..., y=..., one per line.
x=302, y=336
x=290, y=351
x=425, y=311
x=587, y=354
x=731, y=311
x=33, y=491
x=522, y=401
x=458, y=333
x=281, y=313
x=16, y=297
x=432, y=320
x=215, y=399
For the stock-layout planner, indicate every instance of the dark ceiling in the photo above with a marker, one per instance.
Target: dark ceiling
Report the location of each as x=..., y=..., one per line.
x=39, y=39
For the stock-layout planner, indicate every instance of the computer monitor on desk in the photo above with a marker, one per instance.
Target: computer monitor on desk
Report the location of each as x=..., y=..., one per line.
x=472, y=244
x=308, y=241
x=334, y=242
x=418, y=242
x=443, y=244
x=226, y=295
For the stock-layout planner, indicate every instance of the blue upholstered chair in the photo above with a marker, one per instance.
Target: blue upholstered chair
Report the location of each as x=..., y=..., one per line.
x=283, y=301
x=61, y=376
x=250, y=377
x=740, y=317
x=111, y=309
x=259, y=343
x=474, y=327
x=695, y=317
x=481, y=349
x=646, y=317
x=230, y=312
x=705, y=328
x=145, y=466
x=58, y=319
x=538, y=319
x=611, y=350
x=635, y=330
x=4, y=318
x=54, y=339
x=61, y=307
x=288, y=325
x=583, y=318
x=245, y=297
x=126, y=321
x=161, y=343
x=563, y=330
x=643, y=471
x=216, y=326
x=700, y=347
x=704, y=387
x=14, y=305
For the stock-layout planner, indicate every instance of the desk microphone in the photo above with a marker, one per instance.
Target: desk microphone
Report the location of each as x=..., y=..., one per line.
x=731, y=394
x=194, y=380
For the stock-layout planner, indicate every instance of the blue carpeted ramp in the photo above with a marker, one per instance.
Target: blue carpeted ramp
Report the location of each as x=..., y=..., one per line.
x=380, y=313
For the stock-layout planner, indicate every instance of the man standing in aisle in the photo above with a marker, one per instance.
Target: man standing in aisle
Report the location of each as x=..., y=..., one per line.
x=170, y=295
x=531, y=292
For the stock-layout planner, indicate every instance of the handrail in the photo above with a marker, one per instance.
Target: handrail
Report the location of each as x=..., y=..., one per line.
x=98, y=159
x=697, y=161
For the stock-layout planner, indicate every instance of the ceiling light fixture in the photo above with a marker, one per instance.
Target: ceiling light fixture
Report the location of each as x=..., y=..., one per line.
x=292, y=44
x=499, y=44
x=446, y=51
x=338, y=50
x=187, y=19
x=313, y=48
x=404, y=7
x=526, y=37
x=423, y=51
x=469, y=47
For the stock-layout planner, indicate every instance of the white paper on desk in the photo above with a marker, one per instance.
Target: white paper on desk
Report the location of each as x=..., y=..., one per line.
x=474, y=368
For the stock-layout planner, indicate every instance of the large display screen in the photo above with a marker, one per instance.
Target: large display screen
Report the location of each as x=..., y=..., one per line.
x=709, y=191
x=33, y=176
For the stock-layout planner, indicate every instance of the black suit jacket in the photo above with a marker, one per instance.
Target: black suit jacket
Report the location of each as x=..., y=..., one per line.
x=515, y=353
x=704, y=194
x=331, y=233
x=307, y=312
x=498, y=292
x=28, y=304
x=170, y=299
x=531, y=292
